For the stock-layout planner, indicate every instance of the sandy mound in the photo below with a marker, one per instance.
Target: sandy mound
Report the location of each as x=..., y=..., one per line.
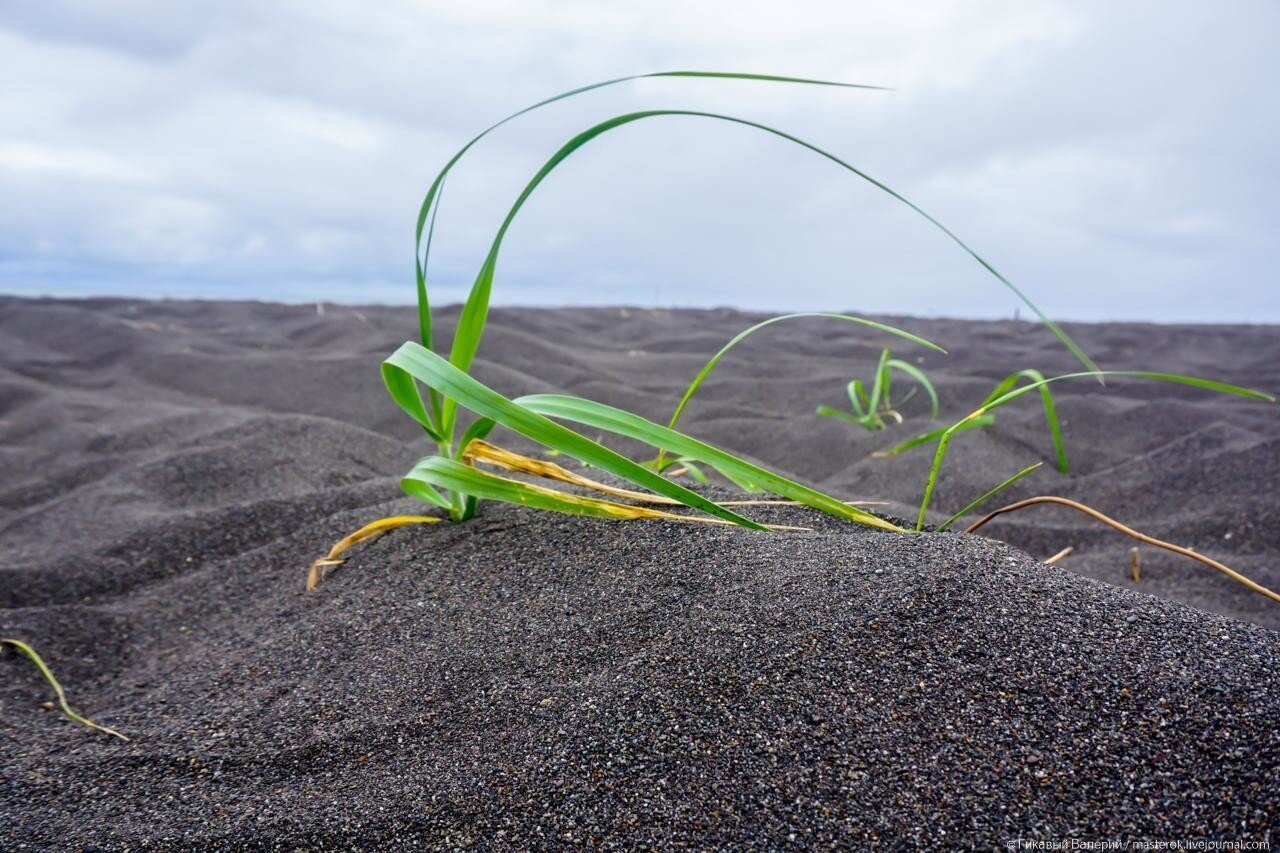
x=535, y=680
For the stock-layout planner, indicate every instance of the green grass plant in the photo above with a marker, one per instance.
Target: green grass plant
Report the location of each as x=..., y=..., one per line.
x=437, y=414
x=868, y=409
x=458, y=476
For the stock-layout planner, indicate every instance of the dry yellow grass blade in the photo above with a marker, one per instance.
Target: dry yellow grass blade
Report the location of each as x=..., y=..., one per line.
x=1061, y=555
x=1128, y=531
x=483, y=452
x=518, y=492
x=370, y=531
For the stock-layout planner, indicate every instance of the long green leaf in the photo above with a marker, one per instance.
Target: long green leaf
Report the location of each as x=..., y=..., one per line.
x=475, y=311
x=431, y=203
x=403, y=391
x=988, y=495
x=453, y=384
x=945, y=439
x=619, y=422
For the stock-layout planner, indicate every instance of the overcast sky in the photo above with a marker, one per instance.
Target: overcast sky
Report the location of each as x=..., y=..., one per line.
x=1114, y=159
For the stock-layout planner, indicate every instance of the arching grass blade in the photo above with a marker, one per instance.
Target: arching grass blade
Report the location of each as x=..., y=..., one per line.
x=746, y=333
x=475, y=311
x=918, y=375
x=430, y=208
x=1050, y=412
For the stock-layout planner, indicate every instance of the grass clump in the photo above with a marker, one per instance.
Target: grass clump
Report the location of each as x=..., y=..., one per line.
x=868, y=409
x=460, y=474
x=450, y=387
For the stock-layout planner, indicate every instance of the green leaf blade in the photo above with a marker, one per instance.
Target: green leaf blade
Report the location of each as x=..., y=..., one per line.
x=620, y=422
x=988, y=495
x=425, y=366
x=472, y=320
x=1015, y=393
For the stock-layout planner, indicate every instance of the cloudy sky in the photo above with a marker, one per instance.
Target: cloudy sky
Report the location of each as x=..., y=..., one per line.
x=1115, y=159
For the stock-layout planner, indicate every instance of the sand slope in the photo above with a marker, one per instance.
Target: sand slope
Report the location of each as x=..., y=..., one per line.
x=171, y=467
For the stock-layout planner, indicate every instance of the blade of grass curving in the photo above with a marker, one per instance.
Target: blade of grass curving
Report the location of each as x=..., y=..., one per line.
x=61, y=695
x=430, y=208
x=879, y=389
x=918, y=375
x=434, y=198
x=988, y=495
x=402, y=389
x=1050, y=412
x=619, y=422
x=859, y=400
x=434, y=371
x=456, y=476
x=945, y=438
x=475, y=311
x=372, y=530
x=930, y=437
x=744, y=334
x=430, y=201
x=424, y=303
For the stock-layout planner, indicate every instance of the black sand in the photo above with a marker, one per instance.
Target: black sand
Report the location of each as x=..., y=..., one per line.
x=529, y=680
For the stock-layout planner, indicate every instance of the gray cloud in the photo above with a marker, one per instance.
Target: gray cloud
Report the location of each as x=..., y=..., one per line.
x=1114, y=160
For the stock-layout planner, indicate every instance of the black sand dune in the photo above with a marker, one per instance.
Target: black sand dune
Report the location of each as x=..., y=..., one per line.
x=529, y=680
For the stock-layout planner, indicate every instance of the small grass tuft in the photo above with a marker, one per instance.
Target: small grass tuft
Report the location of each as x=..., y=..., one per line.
x=868, y=409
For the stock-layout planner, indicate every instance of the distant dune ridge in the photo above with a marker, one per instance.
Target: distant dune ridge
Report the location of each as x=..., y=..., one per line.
x=531, y=680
